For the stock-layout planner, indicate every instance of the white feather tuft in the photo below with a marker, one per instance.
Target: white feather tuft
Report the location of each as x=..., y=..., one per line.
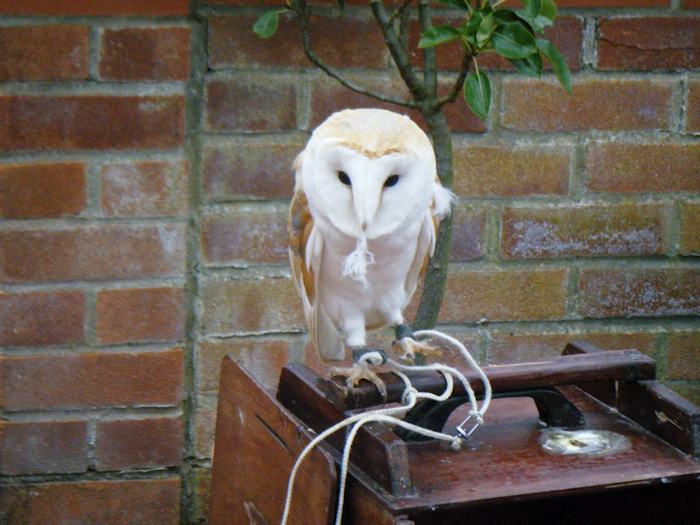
x=355, y=264
x=444, y=199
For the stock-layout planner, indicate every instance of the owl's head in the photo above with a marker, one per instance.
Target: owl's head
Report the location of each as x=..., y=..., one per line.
x=370, y=171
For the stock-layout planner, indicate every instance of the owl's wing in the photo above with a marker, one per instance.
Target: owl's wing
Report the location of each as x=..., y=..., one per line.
x=425, y=245
x=427, y=237
x=305, y=255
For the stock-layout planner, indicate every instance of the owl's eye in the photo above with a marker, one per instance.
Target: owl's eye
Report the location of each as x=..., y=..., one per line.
x=343, y=177
x=391, y=181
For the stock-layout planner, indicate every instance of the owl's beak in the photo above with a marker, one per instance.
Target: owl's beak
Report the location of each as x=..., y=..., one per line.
x=366, y=196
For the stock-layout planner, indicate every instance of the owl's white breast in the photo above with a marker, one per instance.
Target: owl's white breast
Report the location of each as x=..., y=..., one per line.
x=384, y=296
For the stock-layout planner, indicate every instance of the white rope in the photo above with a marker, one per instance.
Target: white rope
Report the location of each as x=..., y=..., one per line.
x=454, y=343
x=409, y=399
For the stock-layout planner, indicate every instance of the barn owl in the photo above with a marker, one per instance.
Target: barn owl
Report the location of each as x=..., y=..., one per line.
x=362, y=226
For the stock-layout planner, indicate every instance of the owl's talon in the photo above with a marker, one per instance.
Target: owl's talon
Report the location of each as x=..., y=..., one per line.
x=357, y=373
x=409, y=349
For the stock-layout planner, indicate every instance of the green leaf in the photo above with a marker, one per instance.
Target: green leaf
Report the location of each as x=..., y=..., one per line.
x=532, y=7
x=548, y=13
x=548, y=10
x=474, y=23
x=513, y=40
x=539, y=14
x=530, y=66
x=477, y=92
x=438, y=35
x=561, y=69
x=266, y=25
x=486, y=28
x=505, y=16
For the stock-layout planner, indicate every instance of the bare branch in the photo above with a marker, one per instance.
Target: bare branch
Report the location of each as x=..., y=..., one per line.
x=404, y=26
x=429, y=61
x=303, y=12
x=458, y=83
x=398, y=53
x=400, y=11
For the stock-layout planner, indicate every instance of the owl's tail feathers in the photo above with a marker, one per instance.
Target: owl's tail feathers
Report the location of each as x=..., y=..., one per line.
x=326, y=337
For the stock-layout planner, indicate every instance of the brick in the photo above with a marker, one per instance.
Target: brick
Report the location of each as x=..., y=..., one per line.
x=688, y=390
x=138, y=315
x=693, y=109
x=91, y=380
x=45, y=447
x=259, y=170
x=543, y=105
x=246, y=234
x=91, y=122
x=327, y=97
x=690, y=228
x=96, y=7
x=251, y=305
x=244, y=104
x=630, y=168
x=145, y=53
x=633, y=292
x=504, y=295
x=612, y=3
x=528, y=347
x=467, y=234
x=201, y=479
x=508, y=170
x=263, y=359
x=584, y=231
x=144, y=189
x=92, y=253
x=138, y=443
x=205, y=425
x=274, y=3
x=29, y=191
x=654, y=43
x=124, y=502
x=684, y=355
x=44, y=52
x=232, y=42
x=41, y=318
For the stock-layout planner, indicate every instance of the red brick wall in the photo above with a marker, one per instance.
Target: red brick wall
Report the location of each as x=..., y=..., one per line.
x=144, y=179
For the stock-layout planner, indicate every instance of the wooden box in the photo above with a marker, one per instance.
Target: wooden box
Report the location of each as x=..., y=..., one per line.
x=503, y=474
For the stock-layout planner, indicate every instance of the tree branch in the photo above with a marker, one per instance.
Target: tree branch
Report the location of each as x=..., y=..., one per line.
x=398, y=53
x=458, y=83
x=436, y=274
x=300, y=7
x=400, y=11
x=429, y=61
x=404, y=26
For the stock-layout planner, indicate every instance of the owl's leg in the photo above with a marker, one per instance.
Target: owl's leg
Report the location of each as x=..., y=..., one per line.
x=412, y=349
x=363, y=358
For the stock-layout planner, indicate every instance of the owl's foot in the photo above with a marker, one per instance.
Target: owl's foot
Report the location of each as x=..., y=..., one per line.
x=361, y=369
x=411, y=349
